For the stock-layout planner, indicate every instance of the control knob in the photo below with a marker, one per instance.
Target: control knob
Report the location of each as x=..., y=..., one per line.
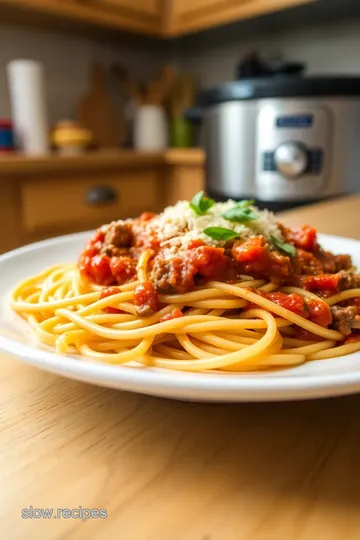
x=291, y=159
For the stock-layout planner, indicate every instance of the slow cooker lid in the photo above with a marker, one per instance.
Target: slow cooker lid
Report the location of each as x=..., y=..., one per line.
x=281, y=87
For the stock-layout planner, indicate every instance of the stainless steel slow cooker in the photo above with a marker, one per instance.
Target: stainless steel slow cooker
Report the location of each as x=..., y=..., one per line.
x=284, y=141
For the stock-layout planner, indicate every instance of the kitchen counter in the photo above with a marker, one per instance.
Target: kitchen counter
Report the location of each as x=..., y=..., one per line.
x=180, y=471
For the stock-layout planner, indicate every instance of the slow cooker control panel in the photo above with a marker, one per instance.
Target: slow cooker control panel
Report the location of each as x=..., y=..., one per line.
x=292, y=159
x=292, y=150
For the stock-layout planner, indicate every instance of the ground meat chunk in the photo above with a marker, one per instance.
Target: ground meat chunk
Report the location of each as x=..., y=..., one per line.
x=327, y=261
x=343, y=262
x=112, y=251
x=345, y=319
x=119, y=235
x=348, y=280
x=331, y=264
x=174, y=275
x=305, y=263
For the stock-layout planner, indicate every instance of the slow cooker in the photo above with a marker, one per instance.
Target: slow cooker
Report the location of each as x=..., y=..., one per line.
x=283, y=141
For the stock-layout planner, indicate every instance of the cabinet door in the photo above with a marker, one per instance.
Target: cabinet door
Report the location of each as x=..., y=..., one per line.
x=192, y=15
x=140, y=7
x=144, y=16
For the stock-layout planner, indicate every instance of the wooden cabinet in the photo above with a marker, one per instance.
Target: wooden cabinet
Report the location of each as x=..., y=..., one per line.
x=45, y=197
x=139, y=7
x=162, y=18
x=192, y=15
x=141, y=14
x=55, y=204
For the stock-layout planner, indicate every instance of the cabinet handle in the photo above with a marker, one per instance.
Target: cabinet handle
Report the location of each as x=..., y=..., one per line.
x=98, y=195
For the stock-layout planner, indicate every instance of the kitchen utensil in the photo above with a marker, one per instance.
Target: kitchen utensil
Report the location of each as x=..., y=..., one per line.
x=146, y=105
x=181, y=98
x=157, y=90
x=97, y=113
x=154, y=92
x=129, y=84
x=28, y=104
x=182, y=95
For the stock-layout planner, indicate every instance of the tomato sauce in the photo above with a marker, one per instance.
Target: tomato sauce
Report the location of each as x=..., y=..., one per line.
x=176, y=313
x=146, y=299
x=304, y=238
x=110, y=258
x=256, y=259
x=353, y=338
x=106, y=264
x=323, y=282
x=110, y=291
x=316, y=311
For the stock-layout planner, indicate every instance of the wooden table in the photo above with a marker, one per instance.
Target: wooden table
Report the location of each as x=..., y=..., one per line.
x=179, y=471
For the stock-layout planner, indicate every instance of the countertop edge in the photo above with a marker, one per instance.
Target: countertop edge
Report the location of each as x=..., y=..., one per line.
x=21, y=165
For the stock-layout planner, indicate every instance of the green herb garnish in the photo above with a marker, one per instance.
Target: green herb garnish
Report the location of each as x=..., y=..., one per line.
x=201, y=204
x=240, y=214
x=220, y=233
x=286, y=248
x=245, y=203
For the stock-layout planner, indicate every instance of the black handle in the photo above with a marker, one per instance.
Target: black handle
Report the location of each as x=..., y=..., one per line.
x=97, y=195
x=194, y=115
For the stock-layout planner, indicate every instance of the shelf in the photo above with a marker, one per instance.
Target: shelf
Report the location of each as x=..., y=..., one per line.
x=123, y=159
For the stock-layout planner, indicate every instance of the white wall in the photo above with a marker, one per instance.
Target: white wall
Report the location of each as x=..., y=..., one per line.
x=326, y=48
x=67, y=60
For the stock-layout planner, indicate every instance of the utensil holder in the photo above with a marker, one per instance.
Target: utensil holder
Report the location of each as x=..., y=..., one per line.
x=150, y=128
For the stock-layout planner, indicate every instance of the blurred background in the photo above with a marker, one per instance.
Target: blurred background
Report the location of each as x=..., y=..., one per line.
x=112, y=107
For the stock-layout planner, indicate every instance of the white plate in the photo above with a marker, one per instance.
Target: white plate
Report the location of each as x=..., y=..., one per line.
x=315, y=379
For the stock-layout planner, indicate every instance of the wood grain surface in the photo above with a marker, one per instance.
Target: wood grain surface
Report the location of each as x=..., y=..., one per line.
x=168, y=470
x=161, y=18
x=19, y=165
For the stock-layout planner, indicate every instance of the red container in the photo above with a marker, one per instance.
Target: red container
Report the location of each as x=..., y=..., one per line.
x=6, y=136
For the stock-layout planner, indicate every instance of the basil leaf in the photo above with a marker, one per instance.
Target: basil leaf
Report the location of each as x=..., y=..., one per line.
x=220, y=233
x=195, y=202
x=286, y=248
x=245, y=203
x=240, y=215
x=201, y=204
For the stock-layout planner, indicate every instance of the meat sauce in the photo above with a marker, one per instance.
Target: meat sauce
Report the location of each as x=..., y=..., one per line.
x=110, y=258
x=110, y=291
x=146, y=299
x=316, y=311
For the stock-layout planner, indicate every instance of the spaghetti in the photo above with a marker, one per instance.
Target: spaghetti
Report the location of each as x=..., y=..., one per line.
x=183, y=291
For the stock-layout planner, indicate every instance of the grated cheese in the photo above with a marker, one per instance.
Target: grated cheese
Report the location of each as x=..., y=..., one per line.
x=177, y=225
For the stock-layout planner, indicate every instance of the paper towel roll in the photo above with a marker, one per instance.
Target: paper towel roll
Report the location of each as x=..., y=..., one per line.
x=28, y=103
